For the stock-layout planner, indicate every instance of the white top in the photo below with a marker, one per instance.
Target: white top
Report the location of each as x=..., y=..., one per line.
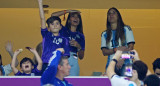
x=121, y=81
x=129, y=38
x=7, y=69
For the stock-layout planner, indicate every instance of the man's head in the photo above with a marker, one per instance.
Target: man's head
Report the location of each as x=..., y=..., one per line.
x=26, y=65
x=156, y=66
x=141, y=69
x=54, y=24
x=152, y=80
x=64, y=66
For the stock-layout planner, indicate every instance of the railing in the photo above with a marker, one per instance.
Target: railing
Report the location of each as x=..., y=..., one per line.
x=35, y=80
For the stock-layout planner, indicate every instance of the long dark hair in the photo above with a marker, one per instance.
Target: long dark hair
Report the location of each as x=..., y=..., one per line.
x=79, y=27
x=119, y=30
x=0, y=60
x=141, y=69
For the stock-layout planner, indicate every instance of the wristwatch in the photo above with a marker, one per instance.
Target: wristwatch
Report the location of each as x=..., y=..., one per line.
x=115, y=60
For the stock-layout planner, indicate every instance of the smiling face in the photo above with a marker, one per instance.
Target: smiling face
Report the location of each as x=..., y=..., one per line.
x=74, y=19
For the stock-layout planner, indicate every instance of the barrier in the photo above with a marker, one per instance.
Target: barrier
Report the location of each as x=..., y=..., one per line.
x=35, y=81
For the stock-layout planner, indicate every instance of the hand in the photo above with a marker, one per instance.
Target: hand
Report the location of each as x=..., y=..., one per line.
x=9, y=46
x=33, y=50
x=123, y=48
x=40, y=1
x=18, y=51
x=117, y=55
x=104, y=74
x=75, y=44
x=136, y=57
x=72, y=11
x=61, y=49
x=120, y=63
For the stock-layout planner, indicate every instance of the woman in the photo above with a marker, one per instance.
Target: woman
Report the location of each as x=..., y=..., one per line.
x=116, y=36
x=73, y=30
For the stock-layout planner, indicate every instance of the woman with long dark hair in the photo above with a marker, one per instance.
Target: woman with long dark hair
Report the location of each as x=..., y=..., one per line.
x=73, y=30
x=116, y=36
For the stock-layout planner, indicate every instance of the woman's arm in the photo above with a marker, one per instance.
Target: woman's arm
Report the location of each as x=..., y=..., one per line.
x=60, y=13
x=107, y=52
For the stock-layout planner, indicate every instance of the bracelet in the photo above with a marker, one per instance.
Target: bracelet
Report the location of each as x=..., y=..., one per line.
x=115, y=61
x=64, y=11
x=64, y=15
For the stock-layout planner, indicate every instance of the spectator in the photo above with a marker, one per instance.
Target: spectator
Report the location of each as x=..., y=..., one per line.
x=27, y=65
x=73, y=30
x=58, y=68
x=116, y=35
x=6, y=69
x=51, y=37
x=156, y=67
x=139, y=71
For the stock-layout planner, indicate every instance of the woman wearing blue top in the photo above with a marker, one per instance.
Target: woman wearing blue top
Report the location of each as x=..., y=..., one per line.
x=116, y=36
x=73, y=30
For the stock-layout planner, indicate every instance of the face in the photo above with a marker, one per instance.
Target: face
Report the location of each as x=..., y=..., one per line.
x=55, y=26
x=66, y=67
x=26, y=67
x=157, y=72
x=134, y=75
x=74, y=19
x=112, y=16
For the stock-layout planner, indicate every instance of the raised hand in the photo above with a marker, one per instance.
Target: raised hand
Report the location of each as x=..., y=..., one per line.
x=40, y=1
x=33, y=50
x=9, y=46
x=136, y=56
x=72, y=11
x=17, y=52
x=42, y=16
x=61, y=49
